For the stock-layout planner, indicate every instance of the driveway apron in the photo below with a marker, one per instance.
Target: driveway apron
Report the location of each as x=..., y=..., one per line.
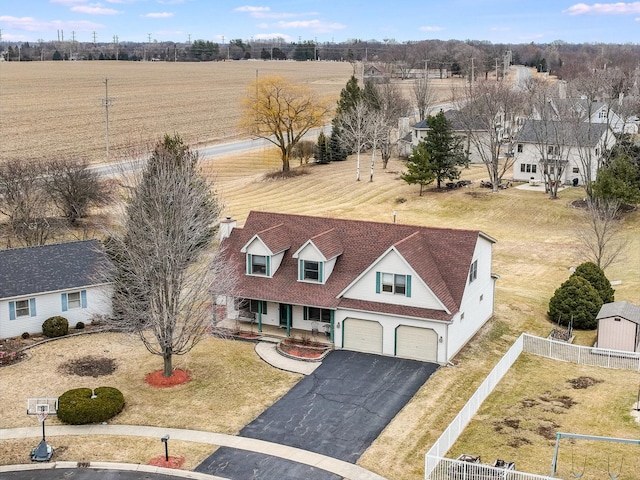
x=338, y=411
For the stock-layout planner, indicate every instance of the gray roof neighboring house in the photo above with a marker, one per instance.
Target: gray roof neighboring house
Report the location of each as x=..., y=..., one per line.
x=454, y=117
x=561, y=133
x=49, y=268
x=625, y=310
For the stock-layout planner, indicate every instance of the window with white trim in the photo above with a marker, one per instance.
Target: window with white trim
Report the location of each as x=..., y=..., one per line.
x=22, y=308
x=257, y=265
x=73, y=300
x=315, y=314
x=258, y=306
x=393, y=283
x=473, y=272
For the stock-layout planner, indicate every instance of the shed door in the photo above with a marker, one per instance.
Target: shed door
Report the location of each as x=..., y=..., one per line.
x=362, y=335
x=418, y=343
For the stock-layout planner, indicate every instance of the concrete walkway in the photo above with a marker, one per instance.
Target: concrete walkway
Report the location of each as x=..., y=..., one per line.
x=266, y=350
x=339, y=467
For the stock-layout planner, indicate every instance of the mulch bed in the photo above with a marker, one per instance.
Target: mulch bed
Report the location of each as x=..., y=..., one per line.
x=156, y=379
x=10, y=351
x=89, y=366
x=161, y=461
x=295, y=349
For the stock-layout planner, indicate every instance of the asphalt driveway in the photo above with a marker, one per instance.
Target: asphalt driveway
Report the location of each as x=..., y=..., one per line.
x=337, y=411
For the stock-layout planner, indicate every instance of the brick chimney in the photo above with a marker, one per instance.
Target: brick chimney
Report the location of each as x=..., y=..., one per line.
x=226, y=226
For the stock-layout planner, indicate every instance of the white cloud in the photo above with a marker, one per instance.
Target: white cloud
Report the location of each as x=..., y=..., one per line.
x=314, y=25
x=251, y=10
x=68, y=3
x=500, y=29
x=431, y=28
x=31, y=24
x=158, y=15
x=619, y=8
x=94, y=9
x=273, y=36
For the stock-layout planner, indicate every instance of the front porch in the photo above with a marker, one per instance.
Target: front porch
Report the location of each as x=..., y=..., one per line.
x=250, y=326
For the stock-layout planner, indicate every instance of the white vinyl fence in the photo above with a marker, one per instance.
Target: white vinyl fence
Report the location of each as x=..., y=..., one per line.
x=448, y=469
x=543, y=347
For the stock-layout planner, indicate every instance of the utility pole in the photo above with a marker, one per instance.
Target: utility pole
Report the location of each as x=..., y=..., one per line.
x=95, y=34
x=148, y=38
x=107, y=104
x=496, y=69
x=472, y=72
x=189, y=41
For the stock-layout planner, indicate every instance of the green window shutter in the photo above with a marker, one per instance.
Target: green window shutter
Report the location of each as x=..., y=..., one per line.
x=408, y=286
x=12, y=310
x=300, y=269
x=268, y=267
x=32, y=306
x=378, y=275
x=83, y=298
x=64, y=302
x=320, y=279
x=248, y=264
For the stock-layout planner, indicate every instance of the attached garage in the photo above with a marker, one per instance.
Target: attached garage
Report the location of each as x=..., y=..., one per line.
x=362, y=335
x=417, y=343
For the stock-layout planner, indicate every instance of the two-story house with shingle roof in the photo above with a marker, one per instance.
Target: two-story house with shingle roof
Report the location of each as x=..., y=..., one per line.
x=391, y=289
x=60, y=279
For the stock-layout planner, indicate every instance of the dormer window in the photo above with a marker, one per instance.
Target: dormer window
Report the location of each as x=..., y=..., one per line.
x=258, y=265
x=310, y=271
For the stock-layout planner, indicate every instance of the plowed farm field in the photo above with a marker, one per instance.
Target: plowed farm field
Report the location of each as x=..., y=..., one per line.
x=57, y=109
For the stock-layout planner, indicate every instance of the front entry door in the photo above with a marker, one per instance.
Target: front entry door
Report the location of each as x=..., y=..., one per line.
x=284, y=314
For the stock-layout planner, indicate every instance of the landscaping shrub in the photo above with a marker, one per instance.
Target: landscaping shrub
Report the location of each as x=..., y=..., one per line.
x=25, y=335
x=79, y=325
x=598, y=280
x=55, y=327
x=76, y=407
x=575, y=297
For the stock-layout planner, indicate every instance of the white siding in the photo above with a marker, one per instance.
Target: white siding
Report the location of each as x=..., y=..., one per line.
x=49, y=305
x=392, y=262
x=477, y=301
x=617, y=334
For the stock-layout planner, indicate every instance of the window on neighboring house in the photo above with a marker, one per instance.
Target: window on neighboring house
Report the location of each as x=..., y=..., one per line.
x=602, y=114
x=575, y=170
x=255, y=305
x=473, y=272
x=258, y=264
x=394, y=283
x=73, y=300
x=316, y=314
x=553, y=150
x=520, y=147
x=22, y=308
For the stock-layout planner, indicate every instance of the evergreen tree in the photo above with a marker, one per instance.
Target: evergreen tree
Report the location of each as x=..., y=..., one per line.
x=575, y=299
x=322, y=149
x=349, y=96
x=419, y=168
x=619, y=180
x=337, y=151
x=598, y=280
x=57, y=55
x=444, y=148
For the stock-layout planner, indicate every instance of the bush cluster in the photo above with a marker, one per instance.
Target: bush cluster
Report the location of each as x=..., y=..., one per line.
x=55, y=327
x=79, y=325
x=76, y=407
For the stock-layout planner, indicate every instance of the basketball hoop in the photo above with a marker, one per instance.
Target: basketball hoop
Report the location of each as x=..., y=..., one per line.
x=42, y=415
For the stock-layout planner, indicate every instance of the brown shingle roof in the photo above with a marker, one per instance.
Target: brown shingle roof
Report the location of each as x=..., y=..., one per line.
x=440, y=257
x=328, y=243
x=275, y=238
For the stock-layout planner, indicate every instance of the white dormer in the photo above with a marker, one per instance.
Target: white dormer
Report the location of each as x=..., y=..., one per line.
x=317, y=257
x=265, y=251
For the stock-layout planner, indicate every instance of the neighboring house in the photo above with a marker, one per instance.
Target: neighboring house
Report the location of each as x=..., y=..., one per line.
x=391, y=289
x=565, y=149
x=619, y=327
x=595, y=112
x=60, y=279
x=479, y=129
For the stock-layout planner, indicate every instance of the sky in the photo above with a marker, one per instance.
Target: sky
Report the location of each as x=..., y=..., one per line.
x=496, y=21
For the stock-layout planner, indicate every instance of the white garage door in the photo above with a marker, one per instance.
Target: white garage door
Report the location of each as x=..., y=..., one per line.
x=362, y=335
x=418, y=343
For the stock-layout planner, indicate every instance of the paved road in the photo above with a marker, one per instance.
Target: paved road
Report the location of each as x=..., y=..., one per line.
x=84, y=474
x=338, y=411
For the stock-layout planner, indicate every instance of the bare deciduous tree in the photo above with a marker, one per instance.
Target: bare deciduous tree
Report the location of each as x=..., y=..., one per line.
x=356, y=128
x=423, y=96
x=167, y=270
x=25, y=203
x=74, y=187
x=599, y=235
x=304, y=150
x=488, y=111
